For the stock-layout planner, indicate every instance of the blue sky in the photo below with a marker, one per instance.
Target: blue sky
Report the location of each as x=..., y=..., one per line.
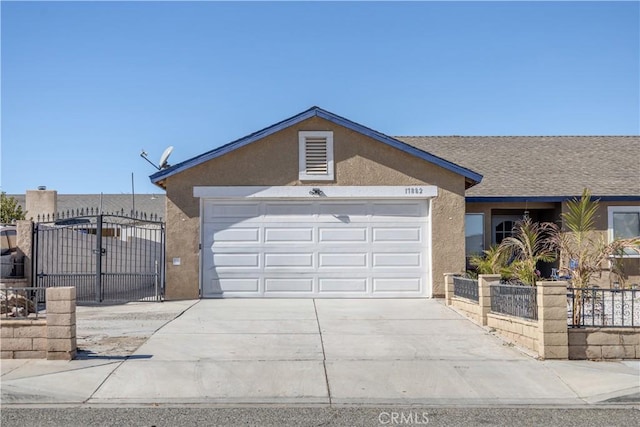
x=86, y=86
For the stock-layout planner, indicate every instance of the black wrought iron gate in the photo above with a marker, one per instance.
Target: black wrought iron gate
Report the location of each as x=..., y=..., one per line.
x=108, y=258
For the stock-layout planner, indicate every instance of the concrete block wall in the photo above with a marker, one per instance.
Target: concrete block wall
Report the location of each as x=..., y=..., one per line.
x=61, y=323
x=553, y=338
x=52, y=337
x=448, y=286
x=469, y=308
x=484, y=295
x=23, y=339
x=522, y=332
x=604, y=343
x=476, y=311
x=550, y=335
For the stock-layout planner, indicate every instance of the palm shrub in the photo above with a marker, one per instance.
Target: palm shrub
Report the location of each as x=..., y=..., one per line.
x=584, y=250
x=492, y=261
x=531, y=243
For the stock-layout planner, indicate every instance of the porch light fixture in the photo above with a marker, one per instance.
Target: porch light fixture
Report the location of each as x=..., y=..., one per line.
x=316, y=192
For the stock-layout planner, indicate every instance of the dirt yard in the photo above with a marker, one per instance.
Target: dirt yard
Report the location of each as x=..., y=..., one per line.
x=116, y=331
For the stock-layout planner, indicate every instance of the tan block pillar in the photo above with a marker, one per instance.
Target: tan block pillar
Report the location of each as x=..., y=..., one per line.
x=61, y=323
x=484, y=295
x=448, y=286
x=553, y=335
x=25, y=243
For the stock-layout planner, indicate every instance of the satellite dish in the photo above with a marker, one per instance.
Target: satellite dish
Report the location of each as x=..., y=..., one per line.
x=165, y=156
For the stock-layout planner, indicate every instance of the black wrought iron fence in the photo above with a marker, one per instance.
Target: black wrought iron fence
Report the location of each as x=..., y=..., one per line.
x=603, y=307
x=107, y=258
x=465, y=288
x=22, y=302
x=514, y=300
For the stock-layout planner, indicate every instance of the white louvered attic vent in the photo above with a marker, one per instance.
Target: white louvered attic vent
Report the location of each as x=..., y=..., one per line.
x=316, y=155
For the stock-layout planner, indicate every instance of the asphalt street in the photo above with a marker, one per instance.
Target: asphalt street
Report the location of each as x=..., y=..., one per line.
x=319, y=416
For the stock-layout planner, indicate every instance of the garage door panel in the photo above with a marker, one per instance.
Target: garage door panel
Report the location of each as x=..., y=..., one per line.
x=251, y=284
x=284, y=235
x=405, y=210
x=357, y=210
x=222, y=211
x=397, y=285
x=281, y=260
x=396, y=259
x=289, y=285
x=235, y=235
x=346, y=234
x=275, y=211
x=342, y=285
x=342, y=260
x=396, y=234
x=236, y=260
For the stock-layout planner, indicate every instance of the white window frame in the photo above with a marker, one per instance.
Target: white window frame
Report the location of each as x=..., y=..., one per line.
x=620, y=209
x=302, y=155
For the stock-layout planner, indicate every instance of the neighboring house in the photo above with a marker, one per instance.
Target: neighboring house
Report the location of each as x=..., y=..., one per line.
x=68, y=209
x=320, y=206
x=43, y=204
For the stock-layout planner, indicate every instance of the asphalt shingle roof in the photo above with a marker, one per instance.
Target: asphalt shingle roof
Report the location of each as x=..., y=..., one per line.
x=542, y=165
x=511, y=166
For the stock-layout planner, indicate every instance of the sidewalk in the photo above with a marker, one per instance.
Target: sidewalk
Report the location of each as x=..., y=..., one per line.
x=322, y=352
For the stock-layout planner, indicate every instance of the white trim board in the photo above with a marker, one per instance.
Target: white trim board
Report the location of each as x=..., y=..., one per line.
x=317, y=192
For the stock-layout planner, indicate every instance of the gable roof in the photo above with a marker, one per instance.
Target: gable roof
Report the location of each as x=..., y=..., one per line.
x=542, y=167
x=471, y=177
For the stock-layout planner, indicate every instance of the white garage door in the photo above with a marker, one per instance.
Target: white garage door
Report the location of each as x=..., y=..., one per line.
x=319, y=248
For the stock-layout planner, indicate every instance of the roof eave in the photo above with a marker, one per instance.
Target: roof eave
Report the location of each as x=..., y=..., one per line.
x=552, y=199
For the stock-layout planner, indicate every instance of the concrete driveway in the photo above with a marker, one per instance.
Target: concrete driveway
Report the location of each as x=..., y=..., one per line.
x=401, y=351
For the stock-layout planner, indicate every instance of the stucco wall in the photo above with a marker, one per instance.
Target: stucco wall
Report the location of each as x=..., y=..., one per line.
x=273, y=161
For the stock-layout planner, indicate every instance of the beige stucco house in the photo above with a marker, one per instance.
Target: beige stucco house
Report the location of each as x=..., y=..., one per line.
x=320, y=206
x=315, y=205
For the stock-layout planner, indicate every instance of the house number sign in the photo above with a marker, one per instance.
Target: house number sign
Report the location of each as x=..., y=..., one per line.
x=413, y=190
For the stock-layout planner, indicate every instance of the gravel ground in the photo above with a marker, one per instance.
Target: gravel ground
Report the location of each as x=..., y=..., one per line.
x=116, y=331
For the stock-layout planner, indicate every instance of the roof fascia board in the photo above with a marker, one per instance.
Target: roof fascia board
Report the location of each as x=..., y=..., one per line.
x=315, y=111
x=217, y=152
x=400, y=145
x=499, y=199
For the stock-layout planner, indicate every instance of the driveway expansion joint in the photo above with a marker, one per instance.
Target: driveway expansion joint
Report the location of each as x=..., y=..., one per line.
x=324, y=356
